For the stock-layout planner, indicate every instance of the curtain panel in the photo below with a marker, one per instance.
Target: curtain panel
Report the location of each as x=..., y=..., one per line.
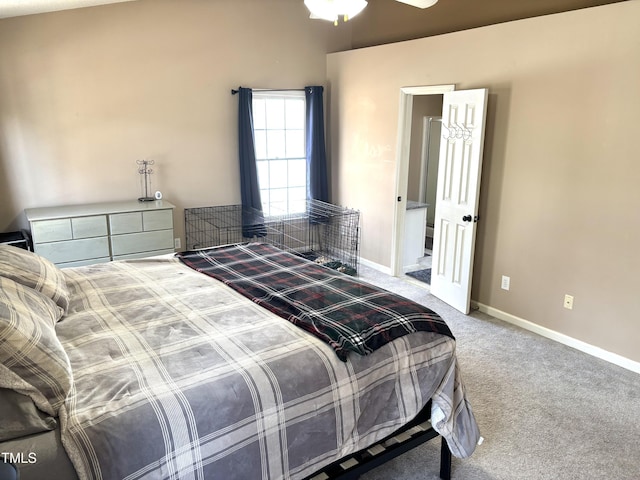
x=317, y=177
x=252, y=215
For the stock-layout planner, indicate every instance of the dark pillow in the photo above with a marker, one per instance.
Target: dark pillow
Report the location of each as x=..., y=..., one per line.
x=21, y=417
x=8, y=471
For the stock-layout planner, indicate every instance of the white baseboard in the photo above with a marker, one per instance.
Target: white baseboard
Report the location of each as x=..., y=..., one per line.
x=375, y=266
x=561, y=338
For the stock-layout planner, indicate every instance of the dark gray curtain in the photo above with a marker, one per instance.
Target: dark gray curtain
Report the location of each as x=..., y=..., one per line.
x=317, y=181
x=252, y=216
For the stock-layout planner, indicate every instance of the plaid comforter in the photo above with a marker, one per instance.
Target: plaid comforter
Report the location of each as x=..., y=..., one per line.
x=176, y=376
x=349, y=315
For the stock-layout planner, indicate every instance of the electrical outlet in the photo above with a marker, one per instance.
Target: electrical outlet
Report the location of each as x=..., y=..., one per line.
x=568, y=302
x=506, y=282
x=176, y=243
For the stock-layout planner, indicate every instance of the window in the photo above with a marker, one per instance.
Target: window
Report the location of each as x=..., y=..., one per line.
x=279, y=131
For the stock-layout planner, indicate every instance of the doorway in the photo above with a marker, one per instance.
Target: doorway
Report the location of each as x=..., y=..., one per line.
x=458, y=191
x=416, y=103
x=421, y=187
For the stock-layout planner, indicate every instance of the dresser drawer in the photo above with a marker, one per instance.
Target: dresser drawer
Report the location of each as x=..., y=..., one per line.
x=153, y=253
x=74, y=250
x=141, y=242
x=157, y=220
x=51, y=230
x=82, y=263
x=87, y=227
x=125, y=223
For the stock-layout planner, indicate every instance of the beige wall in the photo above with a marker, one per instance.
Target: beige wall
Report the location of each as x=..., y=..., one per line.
x=85, y=93
x=559, y=196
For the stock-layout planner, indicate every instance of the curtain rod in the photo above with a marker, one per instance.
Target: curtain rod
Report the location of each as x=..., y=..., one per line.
x=233, y=91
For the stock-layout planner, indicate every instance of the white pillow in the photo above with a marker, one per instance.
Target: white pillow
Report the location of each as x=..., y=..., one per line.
x=32, y=359
x=34, y=271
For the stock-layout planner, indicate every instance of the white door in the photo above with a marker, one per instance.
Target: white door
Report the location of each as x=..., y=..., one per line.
x=456, y=215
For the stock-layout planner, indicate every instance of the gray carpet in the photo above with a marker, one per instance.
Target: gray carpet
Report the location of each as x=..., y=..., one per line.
x=546, y=411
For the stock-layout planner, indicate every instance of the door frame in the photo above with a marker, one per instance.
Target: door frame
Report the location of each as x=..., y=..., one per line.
x=402, y=165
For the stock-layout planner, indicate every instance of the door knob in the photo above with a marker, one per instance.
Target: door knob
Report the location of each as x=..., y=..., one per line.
x=467, y=218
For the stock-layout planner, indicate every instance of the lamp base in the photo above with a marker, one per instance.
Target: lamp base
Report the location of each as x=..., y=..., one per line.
x=146, y=199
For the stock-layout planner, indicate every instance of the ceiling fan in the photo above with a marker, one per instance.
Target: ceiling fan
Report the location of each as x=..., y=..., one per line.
x=332, y=10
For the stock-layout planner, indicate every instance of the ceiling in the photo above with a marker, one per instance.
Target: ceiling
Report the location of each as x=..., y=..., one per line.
x=383, y=21
x=387, y=21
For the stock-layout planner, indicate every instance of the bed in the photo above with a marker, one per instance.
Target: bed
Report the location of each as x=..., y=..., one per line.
x=179, y=368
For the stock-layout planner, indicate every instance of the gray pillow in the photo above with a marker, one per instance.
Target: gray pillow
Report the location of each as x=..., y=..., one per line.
x=32, y=359
x=20, y=416
x=34, y=271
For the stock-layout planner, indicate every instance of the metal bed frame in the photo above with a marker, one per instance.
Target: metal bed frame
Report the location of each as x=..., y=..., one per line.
x=412, y=435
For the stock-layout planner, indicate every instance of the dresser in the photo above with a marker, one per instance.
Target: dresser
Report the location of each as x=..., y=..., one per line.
x=75, y=235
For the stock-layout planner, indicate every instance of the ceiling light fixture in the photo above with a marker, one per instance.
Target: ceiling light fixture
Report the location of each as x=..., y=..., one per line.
x=419, y=3
x=332, y=10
